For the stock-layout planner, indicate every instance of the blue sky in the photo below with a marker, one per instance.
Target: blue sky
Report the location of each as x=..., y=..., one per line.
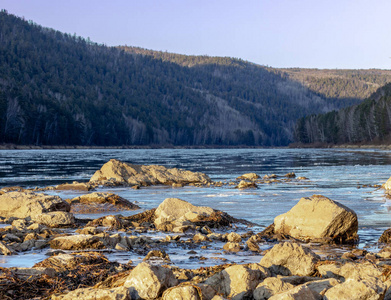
x=352, y=34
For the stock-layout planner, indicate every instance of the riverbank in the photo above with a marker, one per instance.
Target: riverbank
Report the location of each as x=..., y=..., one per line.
x=339, y=146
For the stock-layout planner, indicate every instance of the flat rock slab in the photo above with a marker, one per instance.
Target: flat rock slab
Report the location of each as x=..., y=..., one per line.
x=28, y=204
x=77, y=242
x=116, y=172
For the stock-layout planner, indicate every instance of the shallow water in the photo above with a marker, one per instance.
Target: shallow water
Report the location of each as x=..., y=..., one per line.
x=335, y=173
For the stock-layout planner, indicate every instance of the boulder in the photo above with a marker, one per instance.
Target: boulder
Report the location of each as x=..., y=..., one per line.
x=238, y=281
x=349, y=270
x=180, y=212
x=187, y=292
x=122, y=173
x=149, y=282
x=234, y=237
x=28, y=204
x=78, y=186
x=232, y=247
x=298, y=293
x=372, y=289
x=77, y=242
x=269, y=287
x=318, y=218
x=248, y=176
x=119, y=293
x=55, y=219
x=290, y=259
x=387, y=185
x=5, y=250
x=386, y=236
x=246, y=185
x=100, y=202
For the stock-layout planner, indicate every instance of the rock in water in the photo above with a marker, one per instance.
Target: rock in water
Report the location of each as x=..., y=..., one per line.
x=121, y=173
x=55, y=219
x=387, y=185
x=318, y=218
x=149, y=282
x=28, y=204
x=174, y=210
x=290, y=259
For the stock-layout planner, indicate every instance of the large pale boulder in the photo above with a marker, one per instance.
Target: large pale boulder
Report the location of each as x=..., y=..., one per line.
x=148, y=281
x=290, y=259
x=368, y=289
x=119, y=293
x=187, y=292
x=28, y=204
x=239, y=281
x=55, y=219
x=77, y=242
x=349, y=270
x=318, y=217
x=122, y=173
x=387, y=185
x=269, y=287
x=173, y=210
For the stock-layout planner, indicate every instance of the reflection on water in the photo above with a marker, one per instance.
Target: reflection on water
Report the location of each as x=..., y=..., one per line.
x=334, y=173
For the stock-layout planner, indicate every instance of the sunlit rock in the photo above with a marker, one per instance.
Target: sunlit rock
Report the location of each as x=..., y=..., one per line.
x=29, y=204
x=77, y=242
x=119, y=293
x=148, y=281
x=248, y=176
x=290, y=259
x=239, y=281
x=55, y=219
x=320, y=218
x=121, y=173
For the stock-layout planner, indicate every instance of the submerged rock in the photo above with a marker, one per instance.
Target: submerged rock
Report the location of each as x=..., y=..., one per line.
x=78, y=186
x=290, y=259
x=121, y=173
x=77, y=242
x=318, y=218
x=100, y=202
x=28, y=204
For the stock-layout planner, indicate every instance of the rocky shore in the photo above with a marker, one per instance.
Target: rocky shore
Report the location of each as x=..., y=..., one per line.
x=296, y=264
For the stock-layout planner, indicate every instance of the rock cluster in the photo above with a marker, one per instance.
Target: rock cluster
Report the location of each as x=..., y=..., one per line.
x=115, y=172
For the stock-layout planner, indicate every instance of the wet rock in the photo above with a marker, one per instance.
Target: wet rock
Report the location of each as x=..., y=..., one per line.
x=157, y=255
x=38, y=271
x=29, y=204
x=121, y=173
x=55, y=219
x=252, y=245
x=248, y=176
x=89, y=230
x=357, y=289
x=290, y=259
x=199, y=237
x=119, y=293
x=77, y=242
x=5, y=250
x=318, y=218
x=239, y=281
x=290, y=175
x=98, y=202
x=386, y=236
x=246, y=185
x=234, y=237
x=187, y=292
x=111, y=221
x=232, y=247
x=216, y=236
x=149, y=282
x=77, y=186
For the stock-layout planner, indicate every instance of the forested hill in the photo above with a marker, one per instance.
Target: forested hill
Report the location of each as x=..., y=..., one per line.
x=366, y=123
x=60, y=89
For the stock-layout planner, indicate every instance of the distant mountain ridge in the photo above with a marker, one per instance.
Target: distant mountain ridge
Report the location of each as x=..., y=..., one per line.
x=60, y=89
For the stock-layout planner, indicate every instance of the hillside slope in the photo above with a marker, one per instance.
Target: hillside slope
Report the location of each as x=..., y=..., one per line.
x=59, y=89
x=366, y=123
